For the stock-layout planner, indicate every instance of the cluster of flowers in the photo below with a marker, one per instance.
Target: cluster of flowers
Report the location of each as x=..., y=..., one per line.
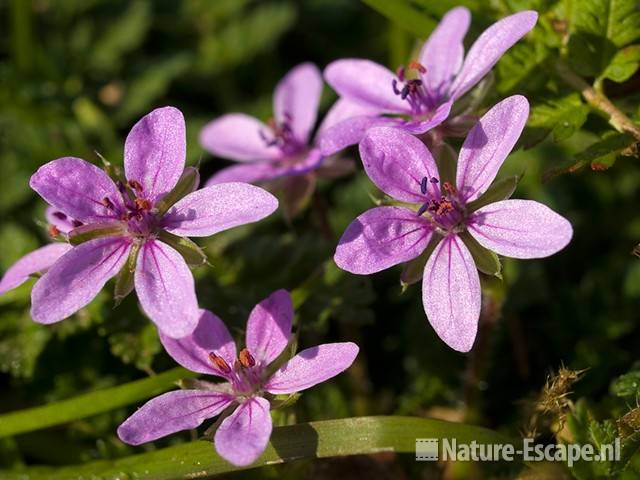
x=443, y=219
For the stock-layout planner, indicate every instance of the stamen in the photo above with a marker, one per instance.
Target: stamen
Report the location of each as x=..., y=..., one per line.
x=108, y=203
x=219, y=362
x=60, y=215
x=53, y=231
x=394, y=85
x=423, y=209
x=77, y=223
x=400, y=73
x=246, y=359
x=143, y=204
x=121, y=187
x=414, y=65
x=450, y=189
x=135, y=185
x=423, y=185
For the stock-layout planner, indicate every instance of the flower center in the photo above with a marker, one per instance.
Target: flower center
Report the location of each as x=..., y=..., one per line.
x=412, y=89
x=138, y=214
x=443, y=207
x=245, y=377
x=281, y=135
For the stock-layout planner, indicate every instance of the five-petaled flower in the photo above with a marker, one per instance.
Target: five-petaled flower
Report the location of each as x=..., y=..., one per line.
x=279, y=152
x=250, y=381
x=424, y=92
x=134, y=221
x=402, y=167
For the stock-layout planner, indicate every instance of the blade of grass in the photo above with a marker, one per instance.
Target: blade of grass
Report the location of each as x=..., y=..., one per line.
x=89, y=404
x=404, y=16
x=329, y=438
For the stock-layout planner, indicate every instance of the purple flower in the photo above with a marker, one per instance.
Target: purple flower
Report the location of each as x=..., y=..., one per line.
x=402, y=167
x=129, y=222
x=249, y=382
x=41, y=259
x=423, y=93
x=279, y=152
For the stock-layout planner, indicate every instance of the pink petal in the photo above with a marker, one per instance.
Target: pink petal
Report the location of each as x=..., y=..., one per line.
x=344, y=109
x=443, y=52
x=219, y=207
x=155, y=151
x=269, y=327
x=418, y=127
x=264, y=171
x=58, y=219
x=172, y=412
x=367, y=83
x=77, y=188
x=210, y=336
x=451, y=294
x=76, y=278
x=166, y=289
x=243, y=435
x=312, y=366
x=520, y=229
x=237, y=136
x=296, y=100
x=397, y=162
x=37, y=261
x=350, y=132
x=488, y=144
x=488, y=49
x=380, y=238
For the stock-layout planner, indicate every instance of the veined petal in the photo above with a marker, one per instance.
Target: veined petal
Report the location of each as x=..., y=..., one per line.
x=76, y=278
x=243, y=435
x=219, y=207
x=312, y=366
x=488, y=144
x=380, y=238
x=343, y=109
x=210, y=336
x=245, y=173
x=34, y=262
x=350, y=131
x=488, y=49
x=451, y=294
x=166, y=289
x=60, y=220
x=172, y=412
x=77, y=188
x=397, y=162
x=238, y=137
x=269, y=327
x=155, y=151
x=520, y=229
x=443, y=52
x=367, y=83
x=296, y=100
x=417, y=127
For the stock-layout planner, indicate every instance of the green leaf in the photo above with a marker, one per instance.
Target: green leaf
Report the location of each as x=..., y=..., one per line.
x=486, y=261
x=413, y=270
x=136, y=347
x=404, y=15
x=626, y=385
x=599, y=29
x=520, y=65
x=92, y=231
x=623, y=65
x=604, y=153
x=192, y=253
x=188, y=182
x=323, y=439
x=498, y=191
x=89, y=404
x=562, y=117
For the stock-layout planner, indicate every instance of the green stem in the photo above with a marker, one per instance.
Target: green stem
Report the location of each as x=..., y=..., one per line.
x=598, y=101
x=329, y=438
x=89, y=404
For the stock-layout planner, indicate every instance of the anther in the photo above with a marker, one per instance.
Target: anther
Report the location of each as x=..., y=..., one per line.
x=400, y=73
x=53, y=231
x=394, y=85
x=76, y=223
x=423, y=185
x=143, y=204
x=447, y=187
x=60, y=215
x=423, y=209
x=246, y=359
x=219, y=362
x=135, y=185
x=417, y=66
x=107, y=203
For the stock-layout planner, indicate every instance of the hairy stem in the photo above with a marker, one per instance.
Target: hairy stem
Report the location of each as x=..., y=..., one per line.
x=598, y=101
